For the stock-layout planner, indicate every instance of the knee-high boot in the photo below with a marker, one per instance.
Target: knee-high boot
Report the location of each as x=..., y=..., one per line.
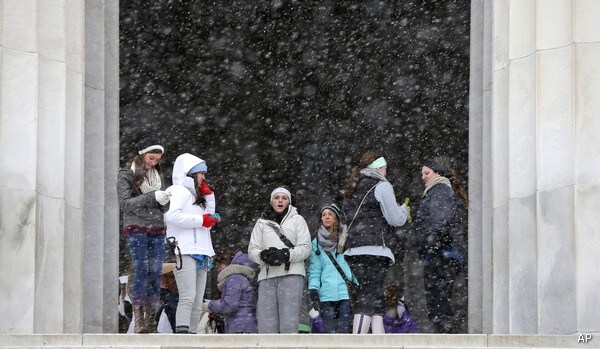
x=150, y=319
x=377, y=324
x=138, y=317
x=361, y=324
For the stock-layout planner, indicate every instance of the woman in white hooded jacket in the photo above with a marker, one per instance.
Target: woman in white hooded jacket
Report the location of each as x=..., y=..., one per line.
x=281, y=280
x=189, y=219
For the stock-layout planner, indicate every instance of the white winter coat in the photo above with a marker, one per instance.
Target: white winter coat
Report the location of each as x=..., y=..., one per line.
x=264, y=236
x=184, y=218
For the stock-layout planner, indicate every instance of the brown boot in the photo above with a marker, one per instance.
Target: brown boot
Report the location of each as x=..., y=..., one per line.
x=138, y=315
x=150, y=320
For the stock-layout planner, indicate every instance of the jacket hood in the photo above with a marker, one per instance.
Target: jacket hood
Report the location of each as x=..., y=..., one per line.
x=183, y=164
x=242, y=258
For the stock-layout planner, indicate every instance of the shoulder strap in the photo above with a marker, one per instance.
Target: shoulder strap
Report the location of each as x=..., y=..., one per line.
x=286, y=242
x=283, y=238
x=361, y=203
x=339, y=269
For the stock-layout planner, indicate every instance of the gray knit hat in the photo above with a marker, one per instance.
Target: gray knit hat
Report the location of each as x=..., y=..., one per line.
x=335, y=208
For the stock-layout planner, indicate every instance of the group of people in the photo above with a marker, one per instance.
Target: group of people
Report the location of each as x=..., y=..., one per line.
x=349, y=255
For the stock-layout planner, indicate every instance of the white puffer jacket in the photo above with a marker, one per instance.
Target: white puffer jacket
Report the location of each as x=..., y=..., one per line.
x=184, y=218
x=264, y=235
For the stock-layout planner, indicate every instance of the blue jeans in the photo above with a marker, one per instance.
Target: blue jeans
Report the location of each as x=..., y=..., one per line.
x=337, y=316
x=147, y=253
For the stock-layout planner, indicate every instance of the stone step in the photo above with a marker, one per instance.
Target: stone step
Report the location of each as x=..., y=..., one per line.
x=316, y=341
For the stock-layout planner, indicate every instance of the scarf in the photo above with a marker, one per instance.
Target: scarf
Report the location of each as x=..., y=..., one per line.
x=323, y=238
x=373, y=173
x=234, y=269
x=151, y=181
x=436, y=181
x=270, y=214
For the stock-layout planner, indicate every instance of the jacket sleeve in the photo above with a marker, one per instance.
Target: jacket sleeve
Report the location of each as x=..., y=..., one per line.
x=211, y=203
x=175, y=216
x=392, y=212
x=302, y=245
x=255, y=245
x=129, y=202
x=315, y=269
x=231, y=296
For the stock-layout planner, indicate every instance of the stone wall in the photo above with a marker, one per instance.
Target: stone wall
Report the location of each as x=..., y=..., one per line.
x=534, y=155
x=533, y=159
x=58, y=136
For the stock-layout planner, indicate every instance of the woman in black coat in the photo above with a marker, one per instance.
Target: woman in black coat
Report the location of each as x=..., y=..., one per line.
x=439, y=227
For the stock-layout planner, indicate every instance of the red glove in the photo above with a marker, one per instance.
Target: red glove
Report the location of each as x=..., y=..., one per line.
x=208, y=221
x=204, y=189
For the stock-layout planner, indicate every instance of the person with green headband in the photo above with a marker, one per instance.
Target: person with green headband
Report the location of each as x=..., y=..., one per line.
x=372, y=214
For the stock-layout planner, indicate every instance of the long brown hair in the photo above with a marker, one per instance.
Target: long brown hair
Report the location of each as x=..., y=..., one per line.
x=140, y=172
x=364, y=161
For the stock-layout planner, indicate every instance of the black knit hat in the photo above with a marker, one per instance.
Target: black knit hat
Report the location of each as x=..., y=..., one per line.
x=147, y=144
x=437, y=165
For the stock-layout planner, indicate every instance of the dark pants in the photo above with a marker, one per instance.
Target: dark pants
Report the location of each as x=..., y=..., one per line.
x=370, y=271
x=337, y=316
x=439, y=274
x=168, y=303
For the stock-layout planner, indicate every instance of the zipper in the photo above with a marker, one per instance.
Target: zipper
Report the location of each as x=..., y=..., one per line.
x=383, y=239
x=195, y=236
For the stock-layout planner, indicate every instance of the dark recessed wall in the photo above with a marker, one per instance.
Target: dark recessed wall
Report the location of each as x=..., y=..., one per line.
x=294, y=92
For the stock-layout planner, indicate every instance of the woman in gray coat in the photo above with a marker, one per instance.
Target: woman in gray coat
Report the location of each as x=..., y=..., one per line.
x=142, y=199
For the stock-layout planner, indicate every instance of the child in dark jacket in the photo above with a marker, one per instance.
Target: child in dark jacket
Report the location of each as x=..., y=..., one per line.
x=238, y=297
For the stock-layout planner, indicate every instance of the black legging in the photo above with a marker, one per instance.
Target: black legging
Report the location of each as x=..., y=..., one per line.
x=439, y=274
x=370, y=271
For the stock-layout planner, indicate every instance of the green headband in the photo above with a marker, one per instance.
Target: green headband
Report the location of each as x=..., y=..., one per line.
x=377, y=163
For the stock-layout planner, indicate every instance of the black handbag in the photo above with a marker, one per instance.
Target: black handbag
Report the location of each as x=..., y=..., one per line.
x=172, y=252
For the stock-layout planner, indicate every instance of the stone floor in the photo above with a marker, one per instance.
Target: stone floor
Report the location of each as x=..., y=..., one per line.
x=167, y=341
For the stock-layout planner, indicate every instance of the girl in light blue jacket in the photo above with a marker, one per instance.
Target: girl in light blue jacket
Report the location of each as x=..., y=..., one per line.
x=327, y=288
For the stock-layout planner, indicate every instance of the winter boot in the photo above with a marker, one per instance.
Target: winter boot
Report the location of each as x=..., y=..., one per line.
x=361, y=324
x=377, y=324
x=150, y=320
x=138, y=317
x=182, y=329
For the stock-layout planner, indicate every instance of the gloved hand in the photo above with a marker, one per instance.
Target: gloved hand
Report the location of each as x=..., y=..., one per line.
x=281, y=256
x=209, y=220
x=314, y=298
x=407, y=210
x=267, y=255
x=162, y=197
x=205, y=306
x=274, y=256
x=204, y=189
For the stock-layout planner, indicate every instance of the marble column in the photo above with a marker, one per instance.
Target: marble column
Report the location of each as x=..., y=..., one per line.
x=533, y=155
x=49, y=142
